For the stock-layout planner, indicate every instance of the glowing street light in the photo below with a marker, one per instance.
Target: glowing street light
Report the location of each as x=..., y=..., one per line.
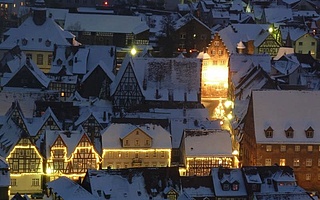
x=133, y=51
x=270, y=30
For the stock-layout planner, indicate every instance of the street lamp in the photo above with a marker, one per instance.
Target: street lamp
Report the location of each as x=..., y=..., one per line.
x=133, y=51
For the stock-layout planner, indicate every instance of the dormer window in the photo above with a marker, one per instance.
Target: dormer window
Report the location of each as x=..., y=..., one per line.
x=48, y=43
x=226, y=186
x=289, y=132
x=235, y=186
x=268, y=132
x=24, y=42
x=59, y=62
x=309, y=132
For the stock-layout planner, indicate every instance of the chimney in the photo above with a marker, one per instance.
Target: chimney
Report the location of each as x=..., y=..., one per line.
x=39, y=12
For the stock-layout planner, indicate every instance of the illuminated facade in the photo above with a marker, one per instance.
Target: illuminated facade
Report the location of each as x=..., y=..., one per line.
x=127, y=146
x=201, y=151
x=26, y=168
x=215, y=70
x=69, y=154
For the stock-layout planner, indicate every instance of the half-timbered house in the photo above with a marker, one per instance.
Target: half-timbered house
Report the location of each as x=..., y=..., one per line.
x=92, y=122
x=69, y=153
x=97, y=81
x=26, y=167
x=48, y=121
x=214, y=79
x=127, y=145
x=143, y=83
x=204, y=149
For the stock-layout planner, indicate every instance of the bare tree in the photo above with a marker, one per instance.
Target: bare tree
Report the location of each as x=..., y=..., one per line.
x=166, y=38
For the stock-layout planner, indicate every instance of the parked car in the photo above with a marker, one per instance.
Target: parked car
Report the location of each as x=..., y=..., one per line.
x=36, y=196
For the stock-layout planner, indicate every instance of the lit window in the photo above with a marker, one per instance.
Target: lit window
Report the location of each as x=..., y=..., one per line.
x=308, y=162
x=282, y=162
x=268, y=148
x=162, y=154
x=39, y=59
x=235, y=186
x=110, y=154
x=296, y=162
x=268, y=162
x=35, y=182
x=308, y=177
x=283, y=148
x=310, y=148
x=13, y=182
x=297, y=148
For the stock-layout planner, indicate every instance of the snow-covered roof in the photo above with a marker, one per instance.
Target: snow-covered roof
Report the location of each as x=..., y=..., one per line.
x=85, y=60
x=207, y=143
x=231, y=176
x=4, y=173
x=23, y=62
x=68, y=189
x=180, y=119
x=287, y=64
x=98, y=115
x=186, y=19
x=282, y=109
x=283, y=51
x=70, y=138
x=240, y=62
x=293, y=32
x=105, y=23
x=111, y=135
x=218, y=13
x=197, y=187
x=254, y=79
x=234, y=33
x=57, y=13
x=8, y=141
x=32, y=37
x=178, y=76
x=117, y=186
x=278, y=183
x=278, y=14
